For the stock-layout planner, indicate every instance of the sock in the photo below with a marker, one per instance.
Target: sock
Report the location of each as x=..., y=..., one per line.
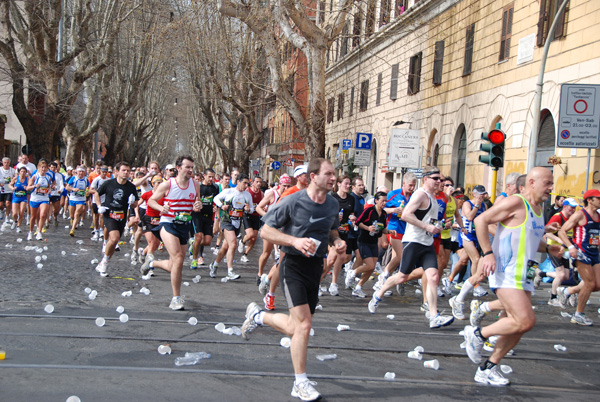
x=258, y=317
x=478, y=334
x=270, y=294
x=466, y=289
x=486, y=307
x=105, y=258
x=385, y=275
x=542, y=274
x=487, y=365
x=579, y=314
x=301, y=377
x=357, y=287
x=245, y=254
x=229, y=270
x=566, y=291
x=552, y=296
x=151, y=265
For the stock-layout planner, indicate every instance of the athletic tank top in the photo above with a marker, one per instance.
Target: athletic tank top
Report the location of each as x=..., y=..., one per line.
x=80, y=186
x=42, y=193
x=427, y=215
x=181, y=201
x=514, y=247
x=450, y=210
x=470, y=225
x=587, y=237
x=20, y=188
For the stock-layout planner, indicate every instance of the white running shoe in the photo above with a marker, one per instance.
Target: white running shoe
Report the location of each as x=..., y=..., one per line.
x=359, y=293
x=333, y=289
x=440, y=292
x=474, y=344
x=305, y=391
x=263, y=287
x=134, y=257
x=213, y=269
x=249, y=324
x=232, y=276
x=490, y=376
x=440, y=321
x=479, y=291
x=349, y=280
x=38, y=236
x=18, y=229
x=457, y=308
x=101, y=268
x=373, y=303
x=13, y=226
x=95, y=237
x=240, y=246
x=244, y=259
x=216, y=250
x=176, y=303
x=29, y=236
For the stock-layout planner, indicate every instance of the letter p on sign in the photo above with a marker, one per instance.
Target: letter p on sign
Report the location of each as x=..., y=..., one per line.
x=363, y=140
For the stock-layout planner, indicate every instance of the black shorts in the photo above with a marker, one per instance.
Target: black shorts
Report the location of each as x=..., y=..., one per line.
x=559, y=262
x=299, y=279
x=179, y=230
x=228, y=226
x=351, y=244
x=416, y=255
x=202, y=224
x=54, y=198
x=448, y=244
x=344, y=237
x=112, y=224
x=146, y=223
x=368, y=250
x=94, y=208
x=252, y=221
x=6, y=197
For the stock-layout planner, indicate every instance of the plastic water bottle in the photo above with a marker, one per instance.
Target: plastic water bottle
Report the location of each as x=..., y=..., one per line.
x=375, y=232
x=327, y=357
x=341, y=214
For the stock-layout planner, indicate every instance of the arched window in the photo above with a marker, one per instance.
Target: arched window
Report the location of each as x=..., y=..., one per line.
x=546, y=139
x=436, y=155
x=461, y=155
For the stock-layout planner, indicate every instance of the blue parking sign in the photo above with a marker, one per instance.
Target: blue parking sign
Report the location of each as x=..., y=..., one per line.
x=363, y=140
x=346, y=144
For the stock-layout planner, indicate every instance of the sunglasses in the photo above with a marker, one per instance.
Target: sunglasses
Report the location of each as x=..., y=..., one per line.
x=172, y=170
x=448, y=185
x=438, y=178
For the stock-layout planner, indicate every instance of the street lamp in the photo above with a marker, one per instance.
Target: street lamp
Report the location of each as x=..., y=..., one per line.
x=401, y=122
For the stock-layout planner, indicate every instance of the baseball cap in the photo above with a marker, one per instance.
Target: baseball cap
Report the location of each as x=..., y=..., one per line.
x=169, y=167
x=479, y=189
x=300, y=170
x=69, y=167
x=570, y=202
x=104, y=169
x=285, y=179
x=590, y=193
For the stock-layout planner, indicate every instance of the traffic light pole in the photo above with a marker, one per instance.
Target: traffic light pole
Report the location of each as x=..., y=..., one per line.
x=494, y=181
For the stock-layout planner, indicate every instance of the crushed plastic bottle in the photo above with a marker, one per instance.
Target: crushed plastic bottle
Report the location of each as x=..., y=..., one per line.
x=565, y=314
x=92, y=295
x=127, y=293
x=390, y=375
x=391, y=316
x=193, y=321
x=322, y=358
x=123, y=318
x=191, y=358
x=285, y=342
x=312, y=332
x=420, y=349
x=120, y=309
x=145, y=290
x=87, y=290
x=63, y=252
x=319, y=307
x=224, y=279
x=342, y=327
x=220, y=327
x=100, y=321
x=44, y=257
x=40, y=266
x=38, y=258
x=560, y=348
x=196, y=279
x=506, y=369
x=79, y=242
x=164, y=349
x=186, y=284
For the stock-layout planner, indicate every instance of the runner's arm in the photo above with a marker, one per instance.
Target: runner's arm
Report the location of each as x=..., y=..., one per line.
x=302, y=244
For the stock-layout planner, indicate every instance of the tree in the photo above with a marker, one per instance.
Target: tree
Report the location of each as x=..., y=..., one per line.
x=276, y=21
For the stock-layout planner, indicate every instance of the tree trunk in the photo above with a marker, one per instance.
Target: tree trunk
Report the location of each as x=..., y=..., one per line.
x=74, y=149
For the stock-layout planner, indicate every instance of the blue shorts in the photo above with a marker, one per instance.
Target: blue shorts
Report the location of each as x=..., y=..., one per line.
x=589, y=258
x=368, y=250
x=179, y=230
x=34, y=204
x=472, y=237
x=75, y=203
x=18, y=200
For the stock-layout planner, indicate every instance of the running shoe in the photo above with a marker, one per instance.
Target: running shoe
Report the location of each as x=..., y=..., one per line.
x=581, y=319
x=538, y=279
x=213, y=269
x=56, y=222
x=194, y=264
x=479, y=292
x=440, y=321
x=359, y=293
x=388, y=293
x=101, y=268
x=240, y=246
x=95, y=237
x=305, y=391
x=574, y=299
x=400, y=289
x=200, y=261
x=458, y=286
x=333, y=289
x=134, y=257
x=72, y=233
x=458, y=308
x=349, y=280
x=249, y=324
x=554, y=302
x=232, y=276
x=18, y=229
x=474, y=344
x=490, y=343
x=447, y=285
x=425, y=307
x=269, y=301
x=13, y=226
x=373, y=304
x=244, y=258
x=176, y=303
x=38, y=236
x=29, y=236
x=562, y=297
x=477, y=314
x=146, y=266
x=263, y=287
x=490, y=376
x=440, y=293
x=216, y=250
x=380, y=281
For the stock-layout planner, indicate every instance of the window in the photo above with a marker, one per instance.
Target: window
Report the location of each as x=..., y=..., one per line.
x=364, y=95
x=507, y=19
x=548, y=9
x=414, y=74
x=469, y=50
x=321, y=12
x=379, y=83
x=370, y=27
x=384, y=12
x=340, y=113
x=330, y=107
x=394, y=83
x=356, y=29
x=400, y=7
x=351, y=112
x=438, y=62
x=344, y=41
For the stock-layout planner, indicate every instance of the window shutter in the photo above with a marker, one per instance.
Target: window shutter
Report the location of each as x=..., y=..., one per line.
x=351, y=102
x=379, y=84
x=560, y=26
x=418, y=72
x=438, y=62
x=543, y=17
x=469, y=50
x=394, y=83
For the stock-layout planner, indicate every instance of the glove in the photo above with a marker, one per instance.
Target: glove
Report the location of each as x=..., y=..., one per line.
x=102, y=210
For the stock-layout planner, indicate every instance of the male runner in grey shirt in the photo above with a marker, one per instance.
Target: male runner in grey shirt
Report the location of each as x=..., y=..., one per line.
x=303, y=216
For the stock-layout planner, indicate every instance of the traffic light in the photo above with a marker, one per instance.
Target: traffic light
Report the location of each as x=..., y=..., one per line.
x=494, y=149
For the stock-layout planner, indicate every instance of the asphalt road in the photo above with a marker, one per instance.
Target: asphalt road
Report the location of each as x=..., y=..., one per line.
x=50, y=357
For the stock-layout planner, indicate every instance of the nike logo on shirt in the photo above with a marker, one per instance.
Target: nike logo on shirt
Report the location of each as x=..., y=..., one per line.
x=313, y=220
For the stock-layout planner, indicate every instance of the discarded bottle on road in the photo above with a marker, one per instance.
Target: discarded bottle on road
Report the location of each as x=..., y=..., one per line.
x=191, y=358
x=389, y=375
x=560, y=348
x=322, y=358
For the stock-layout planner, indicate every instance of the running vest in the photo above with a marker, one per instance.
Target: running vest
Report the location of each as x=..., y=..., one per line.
x=59, y=178
x=514, y=247
x=141, y=190
x=428, y=215
x=587, y=237
x=20, y=188
x=450, y=210
x=181, y=201
x=6, y=177
x=470, y=225
x=41, y=194
x=80, y=186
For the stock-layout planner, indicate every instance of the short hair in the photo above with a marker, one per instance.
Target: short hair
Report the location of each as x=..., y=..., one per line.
x=521, y=181
x=448, y=178
x=99, y=163
x=409, y=177
x=209, y=170
x=258, y=177
x=355, y=179
x=122, y=163
x=242, y=177
x=429, y=170
x=314, y=166
x=53, y=164
x=42, y=162
x=379, y=194
x=511, y=178
x=180, y=159
x=5, y=158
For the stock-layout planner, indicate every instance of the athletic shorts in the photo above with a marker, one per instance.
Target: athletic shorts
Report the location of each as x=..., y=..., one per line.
x=416, y=255
x=179, y=230
x=344, y=237
x=94, y=208
x=469, y=237
x=558, y=261
x=6, y=197
x=112, y=224
x=252, y=221
x=448, y=244
x=368, y=250
x=299, y=279
x=352, y=244
x=18, y=200
x=146, y=223
x=54, y=198
x=230, y=227
x=75, y=203
x=202, y=224
x=34, y=204
x=590, y=258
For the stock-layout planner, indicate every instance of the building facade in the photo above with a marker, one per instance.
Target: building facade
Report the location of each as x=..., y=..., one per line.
x=453, y=69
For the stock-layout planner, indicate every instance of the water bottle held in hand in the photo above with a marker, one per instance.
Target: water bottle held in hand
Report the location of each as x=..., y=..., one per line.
x=375, y=231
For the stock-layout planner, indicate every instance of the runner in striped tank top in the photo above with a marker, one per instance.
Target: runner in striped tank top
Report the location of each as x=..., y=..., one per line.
x=181, y=196
x=510, y=265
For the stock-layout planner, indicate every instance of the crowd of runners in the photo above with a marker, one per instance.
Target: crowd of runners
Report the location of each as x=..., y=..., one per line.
x=321, y=234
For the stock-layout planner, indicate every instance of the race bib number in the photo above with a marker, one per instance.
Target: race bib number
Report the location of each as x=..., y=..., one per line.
x=207, y=200
x=343, y=228
x=236, y=213
x=117, y=215
x=594, y=238
x=20, y=194
x=183, y=217
x=532, y=265
x=154, y=221
x=42, y=191
x=7, y=180
x=80, y=193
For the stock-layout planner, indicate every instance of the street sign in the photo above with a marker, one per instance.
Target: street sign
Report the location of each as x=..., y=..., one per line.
x=276, y=165
x=417, y=172
x=363, y=140
x=403, y=148
x=288, y=162
x=579, y=116
x=346, y=145
x=362, y=157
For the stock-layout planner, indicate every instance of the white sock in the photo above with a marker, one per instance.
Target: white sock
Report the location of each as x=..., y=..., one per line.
x=229, y=270
x=301, y=377
x=258, y=318
x=566, y=291
x=105, y=258
x=466, y=289
x=485, y=307
x=357, y=287
x=385, y=275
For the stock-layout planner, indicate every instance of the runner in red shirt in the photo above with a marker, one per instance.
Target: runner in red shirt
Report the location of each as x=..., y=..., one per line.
x=251, y=220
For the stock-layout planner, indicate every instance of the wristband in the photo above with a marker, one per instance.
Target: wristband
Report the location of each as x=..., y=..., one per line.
x=488, y=253
x=571, y=247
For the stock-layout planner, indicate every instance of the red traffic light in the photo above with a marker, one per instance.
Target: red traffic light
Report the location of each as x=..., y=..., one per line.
x=496, y=137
